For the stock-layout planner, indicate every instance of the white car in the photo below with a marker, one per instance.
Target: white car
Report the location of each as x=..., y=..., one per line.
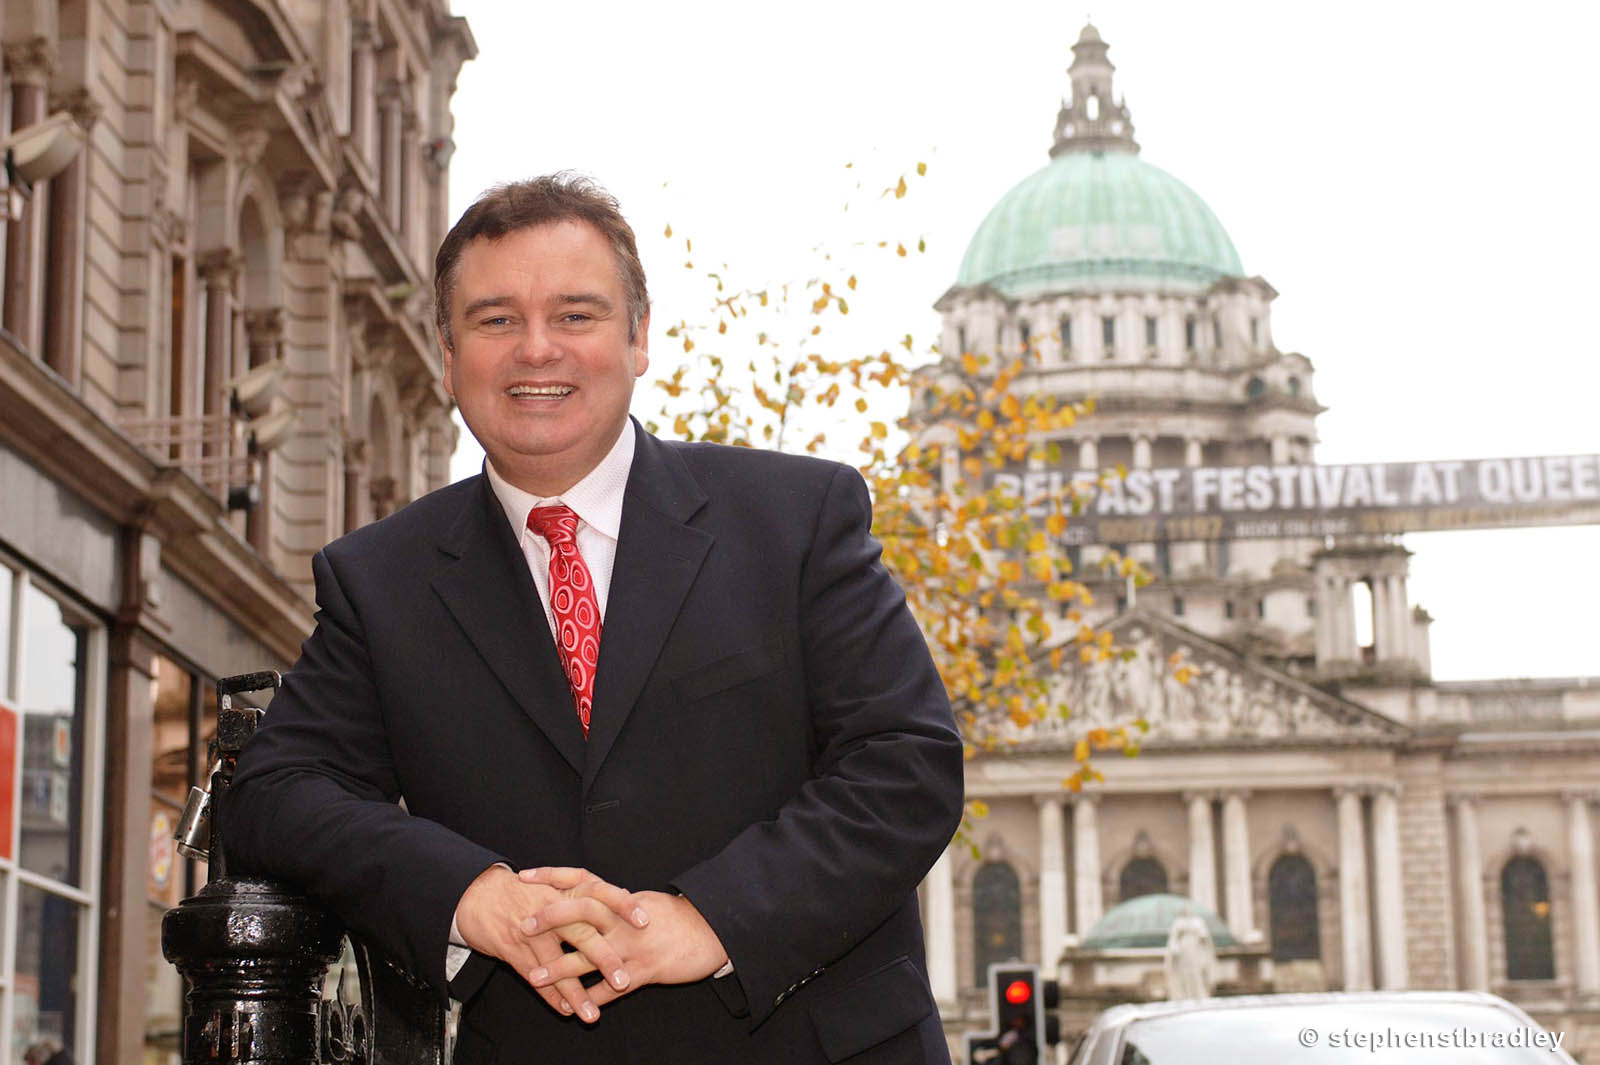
x=1325, y=1028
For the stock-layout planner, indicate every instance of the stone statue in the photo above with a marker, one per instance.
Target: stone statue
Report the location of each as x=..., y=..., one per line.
x=1191, y=960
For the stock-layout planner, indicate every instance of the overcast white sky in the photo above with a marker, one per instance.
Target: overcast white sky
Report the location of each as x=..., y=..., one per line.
x=1417, y=180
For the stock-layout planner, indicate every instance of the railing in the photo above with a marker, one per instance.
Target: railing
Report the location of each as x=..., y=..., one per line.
x=272, y=977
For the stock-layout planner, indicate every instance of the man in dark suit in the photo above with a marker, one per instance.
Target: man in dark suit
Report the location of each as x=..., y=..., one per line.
x=725, y=815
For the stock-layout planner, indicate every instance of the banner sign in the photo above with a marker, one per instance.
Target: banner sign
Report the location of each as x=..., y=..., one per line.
x=1272, y=502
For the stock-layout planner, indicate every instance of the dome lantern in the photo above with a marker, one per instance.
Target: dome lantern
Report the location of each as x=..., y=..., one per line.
x=1091, y=121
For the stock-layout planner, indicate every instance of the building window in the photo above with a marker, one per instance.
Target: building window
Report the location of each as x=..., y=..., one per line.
x=1261, y=608
x=1024, y=335
x=1223, y=556
x=1164, y=558
x=1177, y=606
x=1141, y=876
x=1150, y=334
x=1257, y=387
x=1227, y=609
x=1189, y=334
x=1108, y=335
x=1292, y=902
x=1216, y=332
x=1525, y=901
x=50, y=916
x=999, y=338
x=1294, y=386
x=1066, y=336
x=996, y=918
x=1255, y=332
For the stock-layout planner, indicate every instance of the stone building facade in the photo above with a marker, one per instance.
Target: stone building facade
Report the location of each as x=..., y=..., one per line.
x=216, y=355
x=1361, y=823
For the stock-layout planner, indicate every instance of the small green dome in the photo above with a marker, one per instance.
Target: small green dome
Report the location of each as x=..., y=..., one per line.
x=1098, y=220
x=1145, y=921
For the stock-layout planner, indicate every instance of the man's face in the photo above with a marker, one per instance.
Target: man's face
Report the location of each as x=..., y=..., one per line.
x=542, y=367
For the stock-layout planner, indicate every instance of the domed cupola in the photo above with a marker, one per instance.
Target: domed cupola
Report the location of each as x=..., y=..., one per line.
x=1098, y=216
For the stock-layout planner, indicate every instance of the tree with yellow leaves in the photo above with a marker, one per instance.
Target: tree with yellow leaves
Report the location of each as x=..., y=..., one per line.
x=984, y=572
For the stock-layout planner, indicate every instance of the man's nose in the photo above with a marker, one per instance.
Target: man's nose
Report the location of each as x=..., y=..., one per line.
x=540, y=344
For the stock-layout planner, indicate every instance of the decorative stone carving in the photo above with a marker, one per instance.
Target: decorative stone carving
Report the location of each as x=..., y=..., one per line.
x=1223, y=697
x=249, y=145
x=31, y=62
x=81, y=104
x=220, y=267
x=185, y=94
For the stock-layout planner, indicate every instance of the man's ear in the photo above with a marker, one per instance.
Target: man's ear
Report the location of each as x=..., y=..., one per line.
x=449, y=361
x=641, y=347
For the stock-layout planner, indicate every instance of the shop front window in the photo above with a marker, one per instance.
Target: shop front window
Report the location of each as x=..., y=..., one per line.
x=46, y=744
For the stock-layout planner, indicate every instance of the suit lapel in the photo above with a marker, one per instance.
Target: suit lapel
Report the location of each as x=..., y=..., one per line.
x=658, y=556
x=491, y=596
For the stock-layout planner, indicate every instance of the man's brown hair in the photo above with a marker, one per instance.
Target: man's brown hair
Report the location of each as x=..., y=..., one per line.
x=540, y=201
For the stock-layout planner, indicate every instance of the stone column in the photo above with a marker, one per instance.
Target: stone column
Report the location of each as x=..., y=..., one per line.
x=219, y=269
x=1236, y=852
x=1141, y=451
x=63, y=325
x=1190, y=556
x=1052, y=879
x=1585, y=904
x=1390, y=888
x=941, y=930
x=1353, y=892
x=1280, y=450
x=30, y=64
x=1202, y=851
x=1089, y=454
x=1469, y=875
x=363, y=89
x=392, y=120
x=1399, y=645
x=1086, y=861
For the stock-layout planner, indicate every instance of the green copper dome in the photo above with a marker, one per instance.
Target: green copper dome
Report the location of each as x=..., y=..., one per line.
x=1098, y=219
x=1146, y=920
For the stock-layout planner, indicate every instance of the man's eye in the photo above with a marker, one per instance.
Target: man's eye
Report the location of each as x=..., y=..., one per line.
x=499, y=319
x=575, y=316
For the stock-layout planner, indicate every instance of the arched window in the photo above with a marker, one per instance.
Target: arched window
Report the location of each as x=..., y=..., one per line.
x=1141, y=876
x=1525, y=899
x=1292, y=900
x=996, y=918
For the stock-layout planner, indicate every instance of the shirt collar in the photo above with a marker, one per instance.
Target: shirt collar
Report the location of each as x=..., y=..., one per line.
x=596, y=498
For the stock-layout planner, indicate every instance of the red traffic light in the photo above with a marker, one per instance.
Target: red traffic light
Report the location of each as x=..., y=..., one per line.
x=1018, y=992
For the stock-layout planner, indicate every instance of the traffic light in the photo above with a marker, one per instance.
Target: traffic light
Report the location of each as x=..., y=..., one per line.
x=1023, y=1007
x=1018, y=1014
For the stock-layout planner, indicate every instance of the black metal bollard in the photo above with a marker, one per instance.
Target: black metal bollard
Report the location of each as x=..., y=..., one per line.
x=254, y=957
x=254, y=954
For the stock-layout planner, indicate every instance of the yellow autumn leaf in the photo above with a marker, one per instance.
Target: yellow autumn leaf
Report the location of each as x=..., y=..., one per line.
x=969, y=363
x=1080, y=752
x=861, y=405
x=668, y=233
x=900, y=250
x=922, y=168
x=852, y=282
x=879, y=430
x=900, y=189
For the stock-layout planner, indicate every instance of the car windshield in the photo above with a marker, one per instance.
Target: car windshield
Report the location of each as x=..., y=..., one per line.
x=1375, y=1033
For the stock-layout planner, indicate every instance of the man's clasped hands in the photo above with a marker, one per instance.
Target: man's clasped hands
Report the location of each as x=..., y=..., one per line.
x=632, y=938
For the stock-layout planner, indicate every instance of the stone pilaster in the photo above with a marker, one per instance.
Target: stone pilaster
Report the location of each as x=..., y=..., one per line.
x=1236, y=853
x=1202, y=851
x=1353, y=891
x=1086, y=861
x=1052, y=879
x=1585, y=903
x=1469, y=882
x=941, y=931
x=1389, y=886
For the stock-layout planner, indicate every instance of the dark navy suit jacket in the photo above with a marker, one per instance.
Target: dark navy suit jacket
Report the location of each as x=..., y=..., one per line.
x=770, y=738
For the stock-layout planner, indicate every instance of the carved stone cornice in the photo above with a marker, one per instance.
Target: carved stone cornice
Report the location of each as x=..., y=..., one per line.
x=31, y=62
x=307, y=205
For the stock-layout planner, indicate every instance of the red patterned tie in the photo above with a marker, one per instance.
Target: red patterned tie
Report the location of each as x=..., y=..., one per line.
x=573, y=602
